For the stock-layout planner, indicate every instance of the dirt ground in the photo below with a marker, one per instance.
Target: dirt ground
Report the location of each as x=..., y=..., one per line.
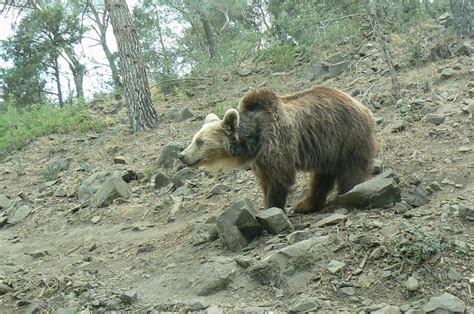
x=72, y=258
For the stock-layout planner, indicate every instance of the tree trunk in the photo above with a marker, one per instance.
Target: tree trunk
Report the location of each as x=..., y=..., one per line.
x=211, y=42
x=78, y=70
x=57, y=75
x=463, y=11
x=101, y=30
x=141, y=112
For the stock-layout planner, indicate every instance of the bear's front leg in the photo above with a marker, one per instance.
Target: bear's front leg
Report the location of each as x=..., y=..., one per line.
x=276, y=196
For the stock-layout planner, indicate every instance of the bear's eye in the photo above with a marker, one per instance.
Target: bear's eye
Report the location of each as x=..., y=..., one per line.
x=199, y=142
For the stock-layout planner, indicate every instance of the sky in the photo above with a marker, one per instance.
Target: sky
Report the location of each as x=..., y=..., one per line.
x=92, y=54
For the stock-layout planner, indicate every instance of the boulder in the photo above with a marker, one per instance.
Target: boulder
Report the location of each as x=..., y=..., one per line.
x=445, y=303
x=113, y=188
x=274, y=220
x=237, y=225
x=204, y=233
x=215, y=275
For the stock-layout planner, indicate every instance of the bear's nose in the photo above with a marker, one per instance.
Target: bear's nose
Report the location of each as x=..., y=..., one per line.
x=181, y=157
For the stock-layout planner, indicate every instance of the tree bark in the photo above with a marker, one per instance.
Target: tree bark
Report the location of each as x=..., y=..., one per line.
x=101, y=30
x=78, y=70
x=211, y=42
x=463, y=11
x=141, y=112
x=57, y=75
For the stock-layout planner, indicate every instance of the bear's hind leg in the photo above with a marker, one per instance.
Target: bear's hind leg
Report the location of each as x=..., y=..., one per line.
x=321, y=185
x=276, y=196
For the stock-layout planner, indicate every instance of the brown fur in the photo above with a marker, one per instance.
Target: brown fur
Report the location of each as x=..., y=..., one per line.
x=322, y=130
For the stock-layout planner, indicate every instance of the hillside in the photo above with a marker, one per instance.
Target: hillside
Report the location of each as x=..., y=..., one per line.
x=137, y=254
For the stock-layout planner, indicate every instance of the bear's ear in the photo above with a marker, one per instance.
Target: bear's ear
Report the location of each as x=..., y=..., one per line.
x=211, y=118
x=231, y=120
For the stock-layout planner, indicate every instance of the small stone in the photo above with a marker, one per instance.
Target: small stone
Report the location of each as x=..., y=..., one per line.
x=20, y=213
x=4, y=288
x=305, y=305
x=112, y=188
x=331, y=220
x=243, y=261
x=447, y=73
x=204, y=233
x=334, y=266
x=95, y=219
x=220, y=189
x=39, y=253
x=298, y=236
x=195, y=306
x=346, y=291
x=466, y=212
x=160, y=180
x=129, y=296
x=464, y=149
x=273, y=220
x=120, y=160
x=446, y=303
x=377, y=167
x=389, y=309
x=376, y=253
x=169, y=154
x=412, y=284
x=435, y=118
x=416, y=197
x=398, y=125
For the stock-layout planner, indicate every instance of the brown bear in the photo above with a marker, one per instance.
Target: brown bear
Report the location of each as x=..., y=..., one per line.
x=322, y=130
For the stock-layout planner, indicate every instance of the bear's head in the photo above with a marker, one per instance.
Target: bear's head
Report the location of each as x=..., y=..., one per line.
x=212, y=147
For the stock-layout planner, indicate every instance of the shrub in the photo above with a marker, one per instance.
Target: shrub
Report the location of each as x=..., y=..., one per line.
x=18, y=127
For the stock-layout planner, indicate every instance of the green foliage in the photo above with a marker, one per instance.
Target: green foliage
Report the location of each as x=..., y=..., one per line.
x=221, y=108
x=281, y=56
x=20, y=126
x=415, y=244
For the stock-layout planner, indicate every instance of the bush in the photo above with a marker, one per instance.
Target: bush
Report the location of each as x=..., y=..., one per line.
x=281, y=56
x=18, y=127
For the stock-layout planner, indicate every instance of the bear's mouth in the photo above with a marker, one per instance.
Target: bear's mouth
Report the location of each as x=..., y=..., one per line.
x=194, y=163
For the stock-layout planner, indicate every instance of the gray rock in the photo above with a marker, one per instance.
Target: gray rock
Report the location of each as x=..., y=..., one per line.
x=5, y=201
x=398, y=125
x=447, y=73
x=332, y=219
x=466, y=212
x=298, y=236
x=183, y=175
x=416, y=197
x=93, y=183
x=129, y=296
x=346, y=291
x=389, y=309
x=179, y=114
x=215, y=275
x=446, y=303
x=411, y=284
x=274, y=220
x=291, y=264
x=204, y=233
x=113, y=303
x=305, y=305
x=377, y=167
x=380, y=191
x=454, y=275
x=243, y=261
x=59, y=164
x=244, y=71
x=95, y=219
x=334, y=266
x=120, y=160
x=182, y=191
x=160, y=180
x=3, y=221
x=435, y=118
x=169, y=154
x=237, y=225
x=66, y=310
x=39, y=253
x=195, y=306
x=4, y=288
x=112, y=189
x=19, y=213
x=220, y=189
